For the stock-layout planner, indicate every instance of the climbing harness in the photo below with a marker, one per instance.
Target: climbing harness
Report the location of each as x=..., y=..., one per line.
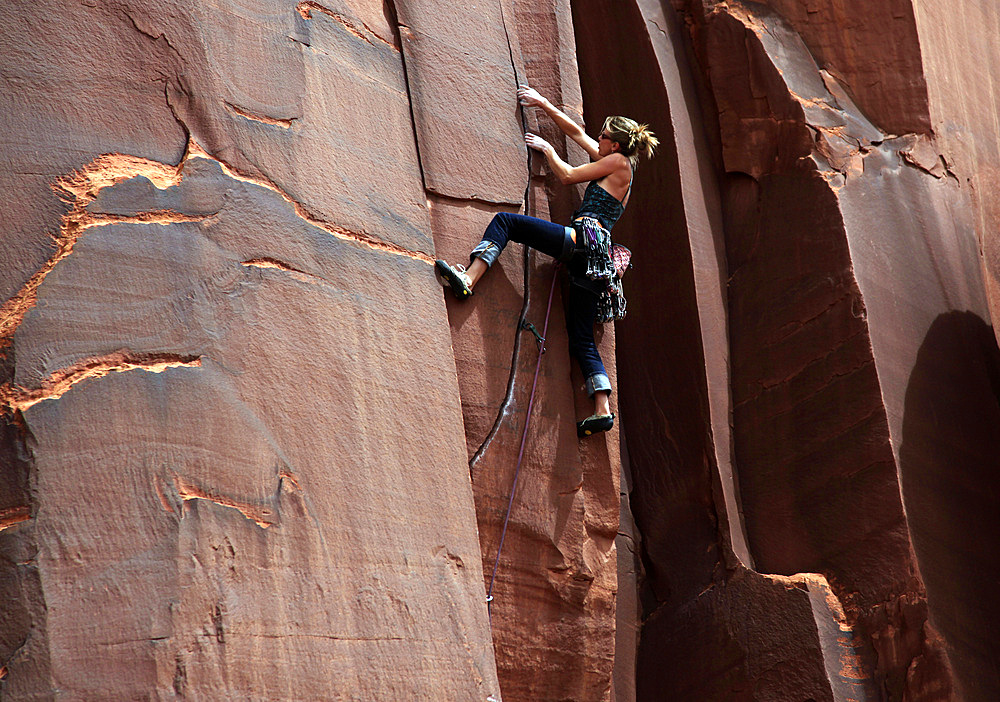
x=524, y=436
x=606, y=262
x=597, y=242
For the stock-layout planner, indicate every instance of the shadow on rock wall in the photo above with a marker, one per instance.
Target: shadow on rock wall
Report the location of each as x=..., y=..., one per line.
x=660, y=359
x=951, y=489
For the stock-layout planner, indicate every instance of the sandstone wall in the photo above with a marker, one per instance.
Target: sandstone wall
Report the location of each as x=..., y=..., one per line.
x=221, y=480
x=239, y=417
x=250, y=450
x=852, y=281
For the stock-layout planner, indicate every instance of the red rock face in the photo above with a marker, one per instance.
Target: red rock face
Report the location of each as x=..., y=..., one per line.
x=849, y=266
x=234, y=445
x=218, y=379
x=250, y=451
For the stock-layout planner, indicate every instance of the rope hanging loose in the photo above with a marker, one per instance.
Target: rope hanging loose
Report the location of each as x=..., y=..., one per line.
x=524, y=437
x=522, y=324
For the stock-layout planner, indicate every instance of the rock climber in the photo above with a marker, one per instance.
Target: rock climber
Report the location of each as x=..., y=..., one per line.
x=582, y=247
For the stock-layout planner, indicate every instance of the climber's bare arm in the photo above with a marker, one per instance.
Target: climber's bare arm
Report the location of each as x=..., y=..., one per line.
x=531, y=98
x=595, y=170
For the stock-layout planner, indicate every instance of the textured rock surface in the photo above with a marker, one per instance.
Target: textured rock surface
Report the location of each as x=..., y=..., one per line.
x=218, y=374
x=958, y=43
x=557, y=575
x=220, y=476
x=852, y=268
x=241, y=460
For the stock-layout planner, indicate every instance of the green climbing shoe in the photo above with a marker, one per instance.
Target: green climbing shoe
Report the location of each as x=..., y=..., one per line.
x=454, y=277
x=594, y=424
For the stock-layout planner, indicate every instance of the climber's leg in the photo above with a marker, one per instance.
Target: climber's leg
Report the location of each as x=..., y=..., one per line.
x=581, y=312
x=602, y=402
x=552, y=239
x=539, y=234
x=476, y=269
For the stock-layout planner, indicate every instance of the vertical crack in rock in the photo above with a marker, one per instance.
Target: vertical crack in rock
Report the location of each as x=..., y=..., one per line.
x=512, y=378
x=513, y=65
x=390, y=5
x=15, y=399
x=179, y=87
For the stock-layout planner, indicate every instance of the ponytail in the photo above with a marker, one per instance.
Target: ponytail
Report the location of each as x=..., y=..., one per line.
x=643, y=141
x=635, y=139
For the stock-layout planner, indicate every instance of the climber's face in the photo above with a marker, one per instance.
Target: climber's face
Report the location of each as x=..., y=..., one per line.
x=605, y=145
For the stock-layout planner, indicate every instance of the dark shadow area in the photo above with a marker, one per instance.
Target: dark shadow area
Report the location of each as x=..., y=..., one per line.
x=950, y=474
x=662, y=388
x=817, y=475
x=661, y=365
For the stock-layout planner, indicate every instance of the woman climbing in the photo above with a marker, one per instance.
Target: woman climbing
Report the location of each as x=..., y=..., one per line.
x=584, y=247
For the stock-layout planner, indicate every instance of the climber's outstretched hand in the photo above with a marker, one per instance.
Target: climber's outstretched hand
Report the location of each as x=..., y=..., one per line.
x=529, y=97
x=537, y=143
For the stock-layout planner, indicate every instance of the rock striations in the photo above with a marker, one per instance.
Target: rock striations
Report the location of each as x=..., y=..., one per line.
x=250, y=451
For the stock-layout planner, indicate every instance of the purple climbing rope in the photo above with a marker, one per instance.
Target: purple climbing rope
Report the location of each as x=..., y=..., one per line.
x=524, y=437
x=541, y=345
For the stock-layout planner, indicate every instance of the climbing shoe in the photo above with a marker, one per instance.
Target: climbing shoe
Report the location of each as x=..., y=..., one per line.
x=594, y=424
x=454, y=277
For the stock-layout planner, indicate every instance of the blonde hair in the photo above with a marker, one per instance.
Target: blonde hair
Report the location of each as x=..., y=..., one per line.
x=634, y=139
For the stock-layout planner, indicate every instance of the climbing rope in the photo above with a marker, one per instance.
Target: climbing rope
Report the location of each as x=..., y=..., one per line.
x=522, y=324
x=522, y=317
x=524, y=438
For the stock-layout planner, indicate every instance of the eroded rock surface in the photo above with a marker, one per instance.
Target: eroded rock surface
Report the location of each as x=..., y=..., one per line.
x=850, y=234
x=236, y=437
x=211, y=397
x=250, y=451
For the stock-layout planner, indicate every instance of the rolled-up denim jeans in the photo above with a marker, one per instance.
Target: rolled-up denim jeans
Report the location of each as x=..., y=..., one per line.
x=556, y=241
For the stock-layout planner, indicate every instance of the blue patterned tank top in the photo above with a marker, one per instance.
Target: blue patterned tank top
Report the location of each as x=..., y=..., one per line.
x=602, y=205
